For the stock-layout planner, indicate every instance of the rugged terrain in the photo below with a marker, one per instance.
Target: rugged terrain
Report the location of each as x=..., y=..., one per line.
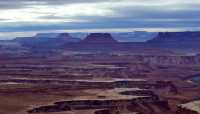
x=97, y=77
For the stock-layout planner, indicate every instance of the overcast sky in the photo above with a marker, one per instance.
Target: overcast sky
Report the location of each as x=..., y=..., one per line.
x=23, y=17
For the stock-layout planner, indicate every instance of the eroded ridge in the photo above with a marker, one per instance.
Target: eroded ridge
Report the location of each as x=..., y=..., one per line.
x=114, y=101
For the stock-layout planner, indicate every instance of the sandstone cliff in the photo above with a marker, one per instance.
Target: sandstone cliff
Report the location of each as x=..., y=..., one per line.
x=99, y=38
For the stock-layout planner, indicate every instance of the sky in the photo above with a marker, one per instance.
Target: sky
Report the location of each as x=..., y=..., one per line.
x=27, y=17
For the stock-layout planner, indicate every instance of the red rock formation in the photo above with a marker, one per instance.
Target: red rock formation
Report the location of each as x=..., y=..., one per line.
x=185, y=111
x=176, y=37
x=99, y=38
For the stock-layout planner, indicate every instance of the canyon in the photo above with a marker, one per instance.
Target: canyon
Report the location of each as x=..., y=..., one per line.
x=99, y=75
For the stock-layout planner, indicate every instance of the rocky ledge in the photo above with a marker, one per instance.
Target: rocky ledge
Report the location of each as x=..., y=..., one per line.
x=113, y=101
x=189, y=108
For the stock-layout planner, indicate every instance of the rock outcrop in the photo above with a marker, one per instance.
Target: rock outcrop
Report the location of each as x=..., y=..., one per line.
x=168, y=60
x=116, y=104
x=99, y=38
x=176, y=40
x=46, y=40
x=176, y=37
x=189, y=108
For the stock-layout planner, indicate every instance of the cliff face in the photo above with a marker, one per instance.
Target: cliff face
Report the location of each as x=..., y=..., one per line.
x=170, y=60
x=99, y=38
x=185, y=111
x=46, y=40
x=177, y=39
x=144, y=105
x=189, y=108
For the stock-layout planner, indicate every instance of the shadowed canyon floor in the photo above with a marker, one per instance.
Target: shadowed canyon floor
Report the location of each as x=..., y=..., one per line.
x=78, y=84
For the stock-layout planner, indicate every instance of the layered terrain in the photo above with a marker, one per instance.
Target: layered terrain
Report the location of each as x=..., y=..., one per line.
x=52, y=74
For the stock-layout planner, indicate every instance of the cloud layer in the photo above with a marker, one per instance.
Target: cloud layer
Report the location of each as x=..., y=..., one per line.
x=36, y=15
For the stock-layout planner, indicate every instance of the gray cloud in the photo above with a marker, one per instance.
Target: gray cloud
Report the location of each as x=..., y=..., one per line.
x=15, y=4
x=142, y=14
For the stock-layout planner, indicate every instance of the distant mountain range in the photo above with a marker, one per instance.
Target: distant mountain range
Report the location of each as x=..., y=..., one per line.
x=47, y=39
x=109, y=41
x=176, y=37
x=136, y=36
x=176, y=40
